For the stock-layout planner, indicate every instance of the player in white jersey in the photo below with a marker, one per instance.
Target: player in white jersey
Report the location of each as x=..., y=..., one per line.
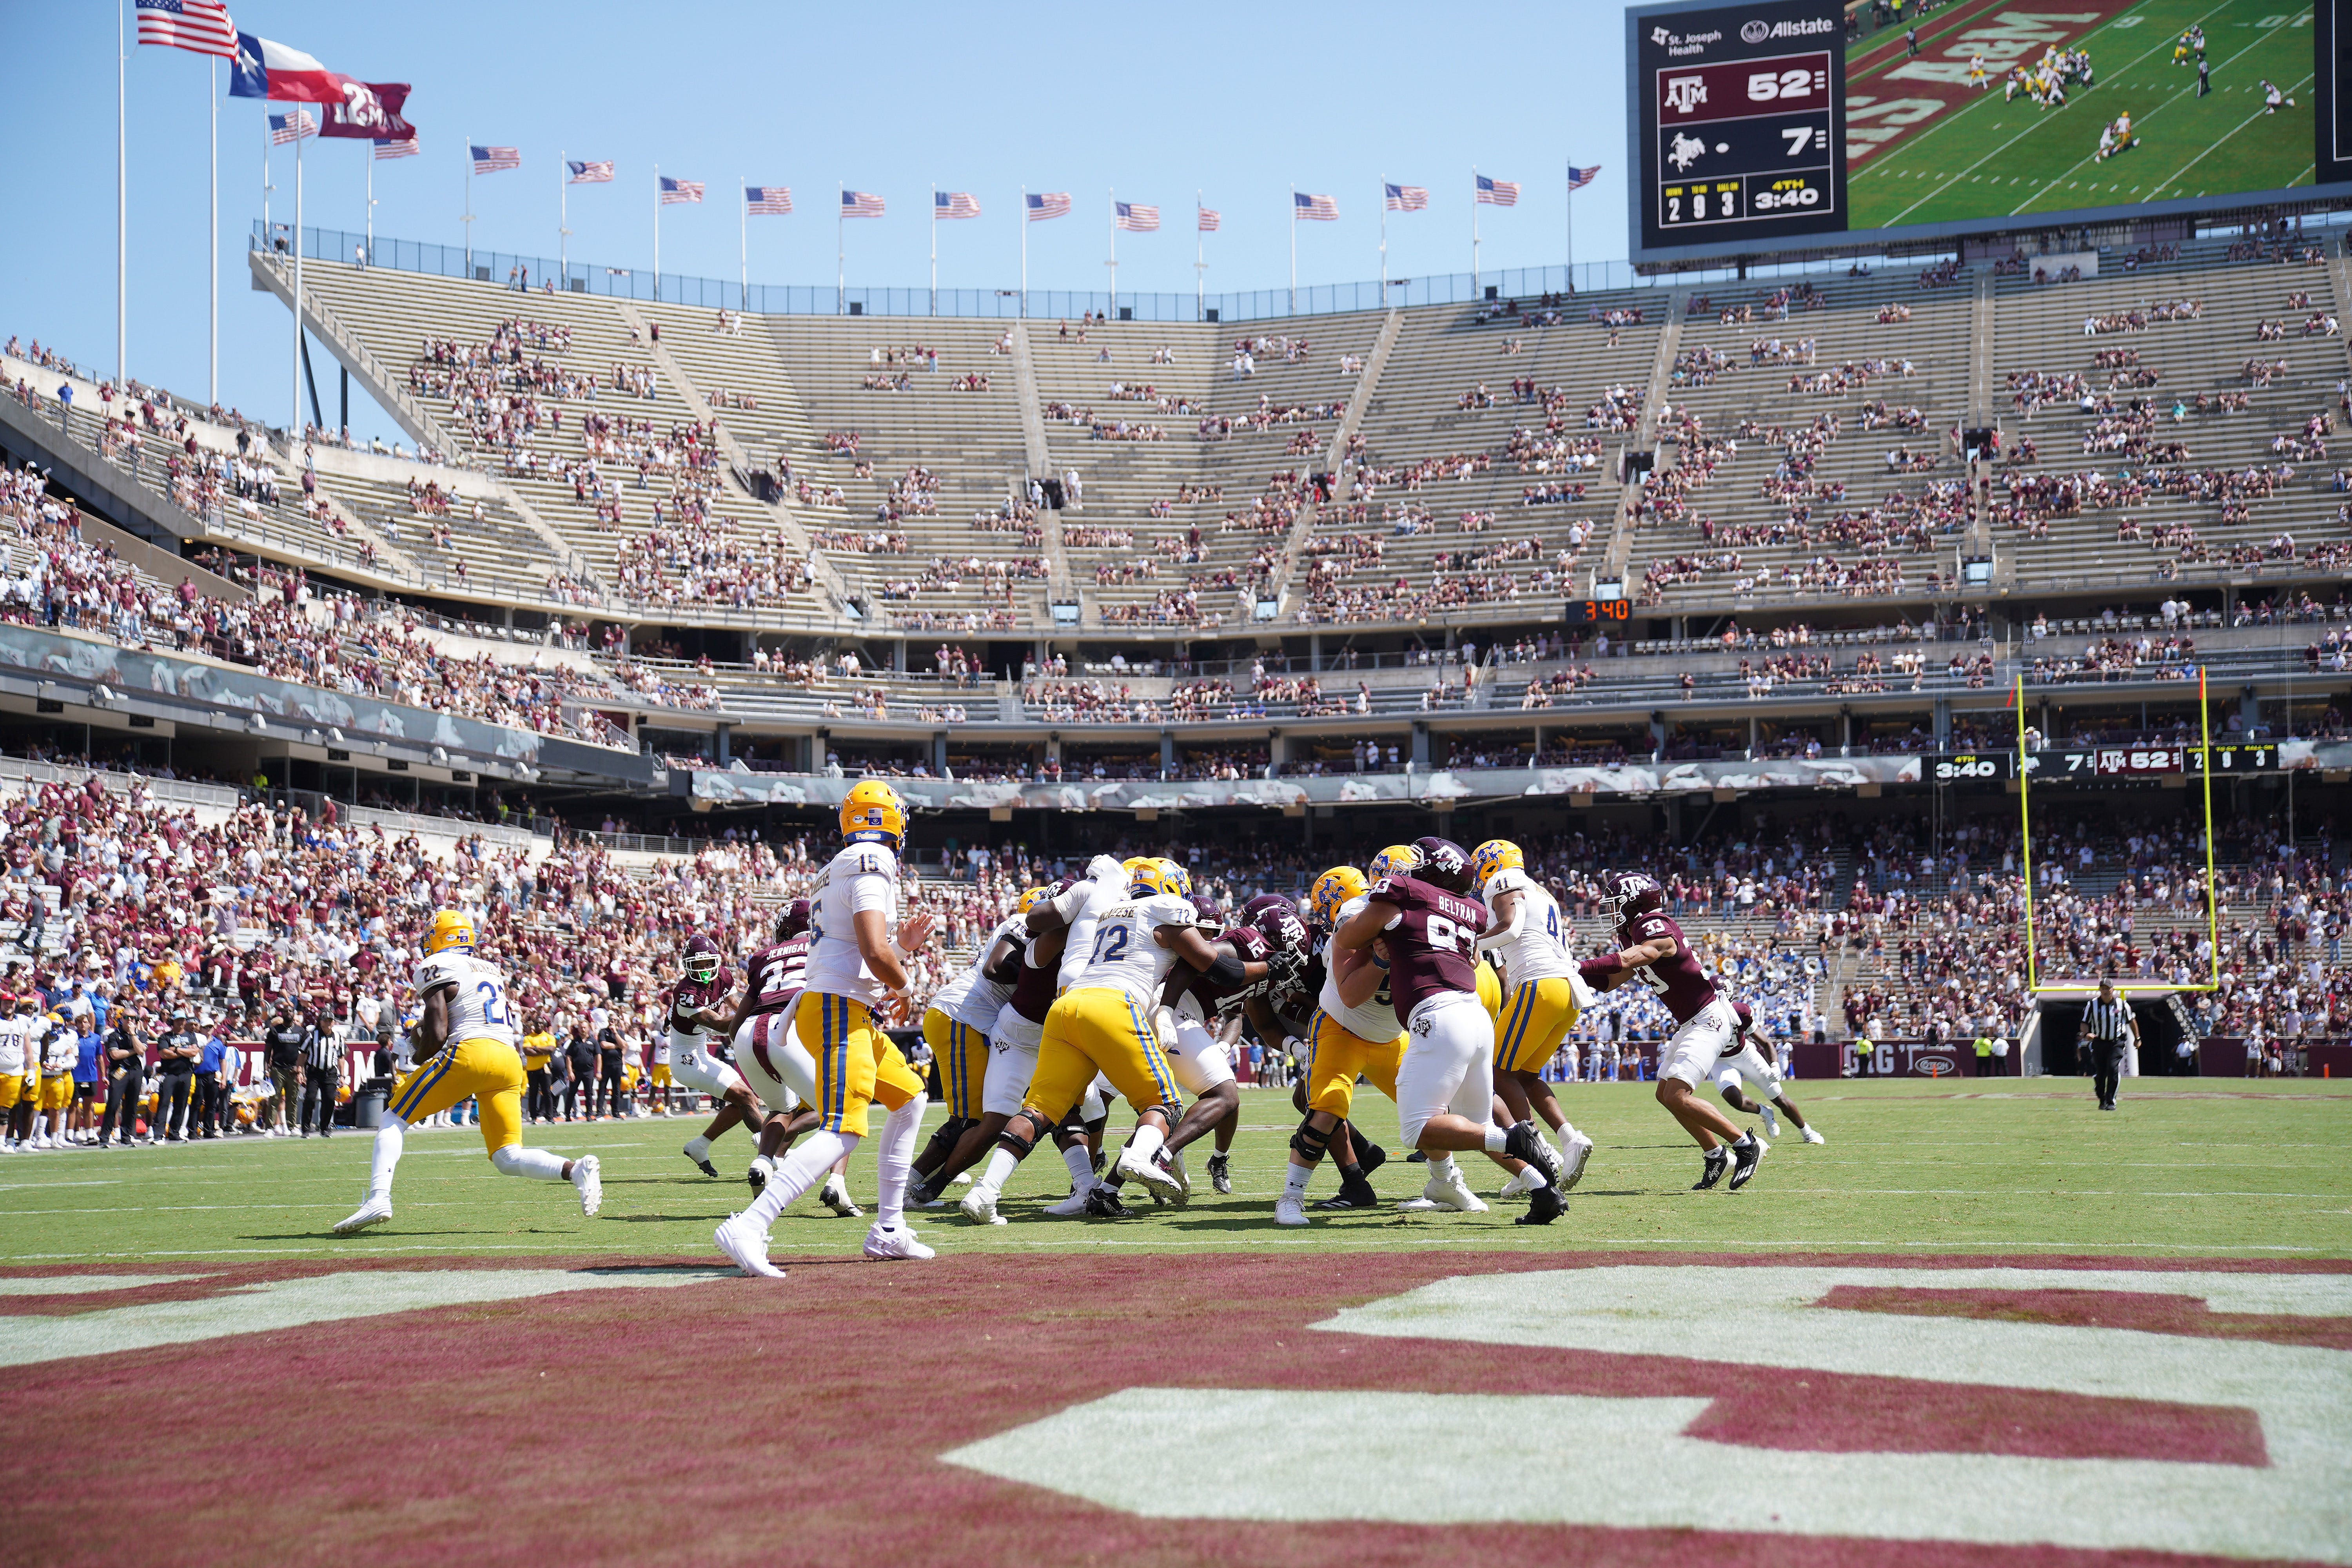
x=955, y=1026
x=1103, y=1022
x=1750, y=1060
x=465, y=1049
x=1545, y=998
x=856, y=965
x=20, y=1083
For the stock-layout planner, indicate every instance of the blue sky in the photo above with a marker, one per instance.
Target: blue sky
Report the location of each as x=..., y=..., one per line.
x=1243, y=101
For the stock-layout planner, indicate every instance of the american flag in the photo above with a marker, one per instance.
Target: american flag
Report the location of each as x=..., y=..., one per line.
x=404, y=148
x=859, y=204
x=772, y=201
x=596, y=172
x=490, y=160
x=673, y=192
x=1136, y=218
x=1209, y=219
x=954, y=203
x=1579, y=178
x=1321, y=209
x=199, y=27
x=1043, y=204
x=1499, y=192
x=1406, y=198
x=285, y=128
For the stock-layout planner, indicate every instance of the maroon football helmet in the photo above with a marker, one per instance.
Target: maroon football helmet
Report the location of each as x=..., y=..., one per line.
x=1444, y=864
x=1210, y=917
x=793, y=920
x=703, y=961
x=1625, y=894
x=1275, y=919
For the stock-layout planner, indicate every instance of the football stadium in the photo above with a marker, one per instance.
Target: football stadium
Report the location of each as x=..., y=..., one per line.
x=1726, y=850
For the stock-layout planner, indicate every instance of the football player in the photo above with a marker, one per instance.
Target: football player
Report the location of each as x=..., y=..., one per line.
x=857, y=963
x=955, y=1025
x=1353, y=1034
x=1544, y=1002
x=1656, y=953
x=698, y=1022
x=1102, y=1023
x=774, y=1066
x=1202, y=1014
x=1446, y=1082
x=1752, y=1060
x=465, y=1047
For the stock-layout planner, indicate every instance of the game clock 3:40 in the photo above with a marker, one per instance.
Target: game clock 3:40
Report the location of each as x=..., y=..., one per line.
x=1593, y=612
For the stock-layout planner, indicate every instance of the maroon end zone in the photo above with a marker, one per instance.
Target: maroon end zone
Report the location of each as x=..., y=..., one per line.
x=740, y=1420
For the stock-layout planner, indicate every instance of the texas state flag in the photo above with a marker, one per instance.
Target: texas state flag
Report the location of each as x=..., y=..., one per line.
x=268, y=69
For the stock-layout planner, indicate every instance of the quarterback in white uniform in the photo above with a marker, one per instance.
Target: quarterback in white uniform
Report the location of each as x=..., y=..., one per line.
x=465, y=1049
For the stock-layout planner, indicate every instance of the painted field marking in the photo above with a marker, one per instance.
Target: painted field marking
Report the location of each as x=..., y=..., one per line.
x=1625, y=1463
x=81, y=1284
x=320, y=1298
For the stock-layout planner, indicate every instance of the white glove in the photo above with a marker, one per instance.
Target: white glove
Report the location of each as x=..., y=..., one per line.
x=1300, y=1050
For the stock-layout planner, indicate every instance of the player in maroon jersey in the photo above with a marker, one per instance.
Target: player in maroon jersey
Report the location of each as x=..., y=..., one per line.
x=698, y=1022
x=1656, y=953
x=1446, y=1084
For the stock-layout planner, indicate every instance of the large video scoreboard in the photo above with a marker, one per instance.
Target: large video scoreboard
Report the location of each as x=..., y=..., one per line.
x=1782, y=125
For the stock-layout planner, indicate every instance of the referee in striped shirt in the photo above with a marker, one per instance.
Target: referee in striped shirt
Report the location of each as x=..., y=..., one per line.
x=2108, y=1024
x=324, y=1050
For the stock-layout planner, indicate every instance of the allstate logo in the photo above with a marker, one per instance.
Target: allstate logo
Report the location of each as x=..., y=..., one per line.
x=1754, y=32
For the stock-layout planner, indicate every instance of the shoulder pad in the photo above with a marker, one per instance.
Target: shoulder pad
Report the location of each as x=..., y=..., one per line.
x=1508, y=880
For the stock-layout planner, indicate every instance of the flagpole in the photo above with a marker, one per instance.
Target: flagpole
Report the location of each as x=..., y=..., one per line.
x=123, y=209
x=1200, y=258
x=1568, y=203
x=1294, y=251
x=1114, y=247
x=935, y=247
x=212, y=94
x=1473, y=230
x=370, y=225
x=564, y=215
x=1384, y=242
x=1025, y=253
x=294, y=426
x=840, y=265
x=742, y=245
x=656, y=234
x=470, y=208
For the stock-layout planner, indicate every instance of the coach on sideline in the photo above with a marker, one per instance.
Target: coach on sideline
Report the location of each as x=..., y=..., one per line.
x=2108, y=1024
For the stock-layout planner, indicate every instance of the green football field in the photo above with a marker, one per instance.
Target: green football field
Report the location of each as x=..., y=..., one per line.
x=1983, y=157
x=2219, y=1168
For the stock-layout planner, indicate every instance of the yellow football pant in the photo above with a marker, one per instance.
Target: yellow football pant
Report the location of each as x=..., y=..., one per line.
x=1539, y=1016
x=1339, y=1057
x=856, y=1063
x=1099, y=1028
x=14, y=1089
x=961, y=1052
x=482, y=1069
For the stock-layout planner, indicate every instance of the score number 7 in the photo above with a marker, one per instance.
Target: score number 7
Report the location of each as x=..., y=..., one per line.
x=1800, y=137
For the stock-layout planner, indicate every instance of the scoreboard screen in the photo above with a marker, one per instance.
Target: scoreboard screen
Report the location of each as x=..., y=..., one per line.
x=1812, y=125
x=1742, y=123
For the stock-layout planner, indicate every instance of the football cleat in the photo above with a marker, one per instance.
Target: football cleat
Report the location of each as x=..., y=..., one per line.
x=1522, y=1142
x=1746, y=1155
x=1287, y=1211
x=1173, y=1164
x=1156, y=1177
x=979, y=1206
x=1070, y=1207
x=761, y=1169
x=745, y=1248
x=375, y=1211
x=1352, y=1197
x=588, y=1185
x=1771, y=1118
x=1544, y=1206
x=1812, y=1134
x=1717, y=1162
x=834, y=1196
x=1103, y=1203
x=1221, y=1172
x=1525, y=1180
x=698, y=1151
x=1450, y=1191
x=1416, y=1158
x=889, y=1243
x=1575, y=1150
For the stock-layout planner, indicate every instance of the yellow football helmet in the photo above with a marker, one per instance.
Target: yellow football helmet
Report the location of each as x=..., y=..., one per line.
x=1333, y=889
x=451, y=928
x=872, y=813
x=1396, y=860
x=1031, y=899
x=1174, y=878
x=1147, y=875
x=1496, y=854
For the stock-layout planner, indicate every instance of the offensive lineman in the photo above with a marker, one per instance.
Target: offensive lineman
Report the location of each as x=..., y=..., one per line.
x=1656, y=953
x=465, y=1043
x=1547, y=995
x=1103, y=1022
x=855, y=964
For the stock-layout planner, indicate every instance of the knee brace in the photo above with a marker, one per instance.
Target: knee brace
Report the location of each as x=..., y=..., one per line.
x=1310, y=1142
x=1022, y=1132
x=951, y=1132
